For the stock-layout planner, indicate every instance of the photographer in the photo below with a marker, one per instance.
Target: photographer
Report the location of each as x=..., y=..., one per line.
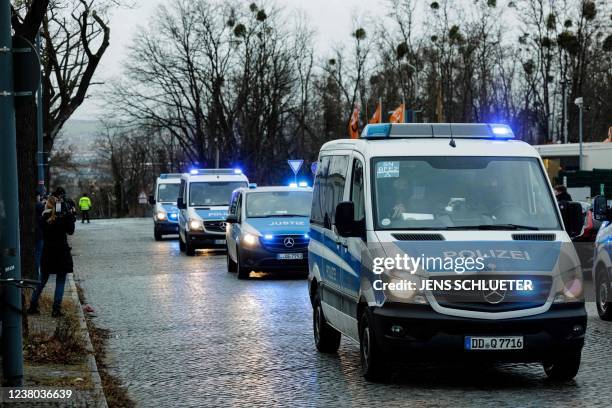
x=58, y=223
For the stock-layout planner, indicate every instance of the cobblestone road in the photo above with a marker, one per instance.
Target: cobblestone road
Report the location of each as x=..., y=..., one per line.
x=188, y=333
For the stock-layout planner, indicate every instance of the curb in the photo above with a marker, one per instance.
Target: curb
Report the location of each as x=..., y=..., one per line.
x=91, y=360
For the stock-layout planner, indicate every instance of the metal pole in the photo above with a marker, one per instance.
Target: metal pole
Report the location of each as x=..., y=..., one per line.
x=10, y=265
x=217, y=153
x=39, y=127
x=565, y=118
x=580, y=138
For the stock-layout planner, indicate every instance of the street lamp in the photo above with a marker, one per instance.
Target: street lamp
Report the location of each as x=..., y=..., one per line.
x=579, y=102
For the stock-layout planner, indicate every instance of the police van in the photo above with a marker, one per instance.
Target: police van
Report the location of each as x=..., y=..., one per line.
x=402, y=195
x=602, y=259
x=163, y=200
x=203, y=199
x=268, y=230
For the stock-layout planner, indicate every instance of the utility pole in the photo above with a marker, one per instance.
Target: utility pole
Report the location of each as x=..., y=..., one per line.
x=10, y=265
x=565, y=117
x=580, y=103
x=39, y=128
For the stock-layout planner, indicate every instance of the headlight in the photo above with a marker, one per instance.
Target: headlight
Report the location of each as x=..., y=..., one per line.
x=570, y=287
x=196, y=225
x=161, y=215
x=405, y=289
x=249, y=239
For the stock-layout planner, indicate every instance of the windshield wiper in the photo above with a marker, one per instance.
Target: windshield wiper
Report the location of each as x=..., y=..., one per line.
x=494, y=227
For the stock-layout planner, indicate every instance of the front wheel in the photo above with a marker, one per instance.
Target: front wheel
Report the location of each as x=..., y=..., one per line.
x=181, y=244
x=157, y=235
x=603, y=294
x=241, y=271
x=563, y=367
x=189, y=248
x=327, y=339
x=372, y=358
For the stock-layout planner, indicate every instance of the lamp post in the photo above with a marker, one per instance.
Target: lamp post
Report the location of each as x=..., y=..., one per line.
x=580, y=103
x=10, y=263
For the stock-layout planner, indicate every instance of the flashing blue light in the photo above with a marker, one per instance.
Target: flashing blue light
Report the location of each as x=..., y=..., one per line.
x=293, y=185
x=237, y=171
x=268, y=236
x=502, y=131
x=377, y=130
x=252, y=185
x=174, y=216
x=306, y=236
x=193, y=171
x=303, y=184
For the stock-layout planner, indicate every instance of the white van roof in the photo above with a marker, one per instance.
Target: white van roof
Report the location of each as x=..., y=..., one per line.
x=433, y=147
x=169, y=178
x=215, y=175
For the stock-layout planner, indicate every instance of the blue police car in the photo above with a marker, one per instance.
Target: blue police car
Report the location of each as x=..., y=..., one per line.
x=602, y=260
x=267, y=229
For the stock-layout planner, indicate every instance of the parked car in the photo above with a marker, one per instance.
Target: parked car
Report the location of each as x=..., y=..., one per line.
x=602, y=260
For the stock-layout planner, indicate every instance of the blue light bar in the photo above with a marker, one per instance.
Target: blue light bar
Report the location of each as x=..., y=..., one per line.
x=437, y=130
x=216, y=172
x=378, y=130
x=193, y=171
x=170, y=175
x=237, y=171
x=252, y=185
x=293, y=185
x=303, y=184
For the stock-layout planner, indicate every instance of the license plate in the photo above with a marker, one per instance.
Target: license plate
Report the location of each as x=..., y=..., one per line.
x=494, y=343
x=219, y=241
x=298, y=255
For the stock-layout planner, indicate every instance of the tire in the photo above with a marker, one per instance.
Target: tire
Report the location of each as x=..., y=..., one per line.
x=564, y=367
x=373, y=364
x=327, y=339
x=158, y=236
x=603, y=292
x=231, y=265
x=181, y=244
x=241, y=272
x=189, y=249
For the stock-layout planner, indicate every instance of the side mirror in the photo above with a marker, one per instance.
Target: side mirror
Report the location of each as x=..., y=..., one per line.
x=344, y=220
x=571, y=212
x=180, y=204
x=151, y=200
x=600, y=208
x=231, y=219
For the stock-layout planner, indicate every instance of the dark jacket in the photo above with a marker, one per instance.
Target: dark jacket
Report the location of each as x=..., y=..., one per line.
x=56, y=256
x=40, y=207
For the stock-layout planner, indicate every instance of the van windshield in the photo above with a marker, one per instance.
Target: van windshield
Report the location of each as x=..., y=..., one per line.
x=168, y=192
x=212, y=193
x=462, y=193
x=278, y=204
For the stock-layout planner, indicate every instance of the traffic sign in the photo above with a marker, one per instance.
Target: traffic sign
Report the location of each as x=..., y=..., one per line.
x=142, y=198
x=295, y=165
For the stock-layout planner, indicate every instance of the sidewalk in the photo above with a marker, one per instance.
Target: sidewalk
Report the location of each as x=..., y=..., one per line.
x=59, y=353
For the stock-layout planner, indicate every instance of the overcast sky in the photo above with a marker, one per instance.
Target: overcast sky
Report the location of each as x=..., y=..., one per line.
x=332, y=20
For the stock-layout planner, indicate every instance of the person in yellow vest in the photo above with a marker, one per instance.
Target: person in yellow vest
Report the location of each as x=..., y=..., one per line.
x=84, y=206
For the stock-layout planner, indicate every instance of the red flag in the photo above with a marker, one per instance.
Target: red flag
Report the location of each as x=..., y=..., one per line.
x=398, y=115
x=354, y=124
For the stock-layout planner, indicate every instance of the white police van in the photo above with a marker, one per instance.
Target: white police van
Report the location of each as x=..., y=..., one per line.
x=203, y=199
x=163, y=200
x=602, y=259
x=402, y=195
x=268, y=230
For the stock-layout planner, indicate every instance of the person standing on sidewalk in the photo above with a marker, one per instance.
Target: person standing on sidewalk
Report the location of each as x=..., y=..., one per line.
x=58, y=223
x=40, y=207
x=84, y=206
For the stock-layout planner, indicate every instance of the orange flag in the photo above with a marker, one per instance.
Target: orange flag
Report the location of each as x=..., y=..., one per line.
x=377, y=117
x=398, y=115
x=354, y=124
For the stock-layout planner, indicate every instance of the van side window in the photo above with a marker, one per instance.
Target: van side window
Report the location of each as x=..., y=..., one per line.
x=357, y=193
x=318, y=190
x=334, y=187
x=239, y=207
x=182, y=190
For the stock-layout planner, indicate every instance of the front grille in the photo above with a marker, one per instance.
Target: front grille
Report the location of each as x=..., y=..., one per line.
x=278, y=243
x=418, y=237
x=474, y=300
x=533, y=237
x=214, y=226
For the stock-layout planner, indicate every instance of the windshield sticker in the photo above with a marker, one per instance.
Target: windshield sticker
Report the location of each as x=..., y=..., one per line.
x=387, y=169
x=385, y=221
x=162, y=186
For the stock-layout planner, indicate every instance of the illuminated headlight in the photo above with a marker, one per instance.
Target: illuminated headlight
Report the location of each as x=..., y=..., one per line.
x=196, y=225
x=249, y=239
x=406, y=289
x=570, y=287
x=161, y=215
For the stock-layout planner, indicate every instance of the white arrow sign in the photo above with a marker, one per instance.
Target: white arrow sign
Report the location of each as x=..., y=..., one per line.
x=295, y=165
